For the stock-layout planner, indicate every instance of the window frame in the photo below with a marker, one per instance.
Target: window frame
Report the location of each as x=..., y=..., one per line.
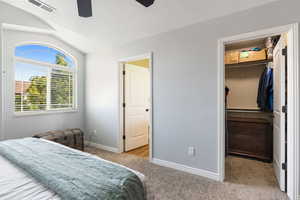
x=48, y=66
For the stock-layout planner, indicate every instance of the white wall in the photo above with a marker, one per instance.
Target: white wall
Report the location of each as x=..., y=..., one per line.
x=17, y=127
x=243, y=84
x=184, y=84
x=102, y=95
x=12, y=15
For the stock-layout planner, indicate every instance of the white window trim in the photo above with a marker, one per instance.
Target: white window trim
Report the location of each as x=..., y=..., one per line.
x=73, y=70
x=47, y=112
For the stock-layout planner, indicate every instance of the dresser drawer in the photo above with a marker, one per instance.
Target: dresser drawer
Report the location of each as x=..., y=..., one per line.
x=250, y=137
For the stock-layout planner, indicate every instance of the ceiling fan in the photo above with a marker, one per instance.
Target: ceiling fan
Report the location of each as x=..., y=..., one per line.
x=85, y=6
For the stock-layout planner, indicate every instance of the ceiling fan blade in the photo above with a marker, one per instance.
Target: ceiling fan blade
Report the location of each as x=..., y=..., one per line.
x=85, y=8
x=146, y=3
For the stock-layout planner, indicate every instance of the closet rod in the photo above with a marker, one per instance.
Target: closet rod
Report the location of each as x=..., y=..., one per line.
x=249, y=65
x=243, y=110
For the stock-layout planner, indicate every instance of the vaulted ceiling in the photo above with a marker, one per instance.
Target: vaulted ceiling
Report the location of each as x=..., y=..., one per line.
x=116, y=22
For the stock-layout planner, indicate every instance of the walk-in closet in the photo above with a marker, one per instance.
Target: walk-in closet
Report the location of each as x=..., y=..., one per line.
x=255, y=99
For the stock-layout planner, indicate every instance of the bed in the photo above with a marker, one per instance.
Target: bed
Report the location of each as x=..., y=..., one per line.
x=19, y=182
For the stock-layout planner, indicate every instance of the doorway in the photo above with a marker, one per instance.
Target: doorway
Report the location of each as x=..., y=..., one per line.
x=287, y=174
x=136, y=106
x=255, y=123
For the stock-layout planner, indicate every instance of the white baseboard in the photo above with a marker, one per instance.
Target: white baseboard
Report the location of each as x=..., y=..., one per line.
x=191, y=170
x=277, y=168
x=164, y=163
x=103, y=147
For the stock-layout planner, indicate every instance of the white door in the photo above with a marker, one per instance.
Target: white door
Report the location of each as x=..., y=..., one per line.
x=279, y=115
x=137, y=96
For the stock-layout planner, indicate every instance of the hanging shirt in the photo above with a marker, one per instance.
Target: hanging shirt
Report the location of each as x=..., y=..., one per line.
x=261, y=88
x=265, y=90
x=269, y=91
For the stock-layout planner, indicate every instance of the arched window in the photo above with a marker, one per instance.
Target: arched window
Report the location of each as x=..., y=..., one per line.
x=44, y=79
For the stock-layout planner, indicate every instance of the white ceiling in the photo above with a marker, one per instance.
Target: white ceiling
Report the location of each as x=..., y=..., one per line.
x=116, y=22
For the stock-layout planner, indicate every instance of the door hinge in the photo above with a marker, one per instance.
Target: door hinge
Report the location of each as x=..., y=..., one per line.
x=284, y=166
x=284, y=109
x=284, y=51
x=124, y=137
x=124, y=72
x=124, y=105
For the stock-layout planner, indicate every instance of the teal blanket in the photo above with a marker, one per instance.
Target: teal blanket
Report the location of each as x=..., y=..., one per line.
x=73, y=175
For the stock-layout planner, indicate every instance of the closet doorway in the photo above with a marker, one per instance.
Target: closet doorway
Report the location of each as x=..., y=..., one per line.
x=136, y=106
x=258, y=113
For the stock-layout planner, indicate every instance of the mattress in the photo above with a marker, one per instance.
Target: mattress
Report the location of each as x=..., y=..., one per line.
x=15, y=184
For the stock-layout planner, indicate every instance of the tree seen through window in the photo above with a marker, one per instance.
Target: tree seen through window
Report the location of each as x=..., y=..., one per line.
x=40, y=88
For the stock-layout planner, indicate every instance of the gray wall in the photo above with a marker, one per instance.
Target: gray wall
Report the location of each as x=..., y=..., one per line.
x=184, y=84
x=17, y=127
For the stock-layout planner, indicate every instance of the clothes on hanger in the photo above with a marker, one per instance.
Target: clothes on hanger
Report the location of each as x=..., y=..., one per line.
x=265, y=90
x=226, y=95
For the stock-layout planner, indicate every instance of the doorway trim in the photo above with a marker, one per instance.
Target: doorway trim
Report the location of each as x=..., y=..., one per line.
x=121, y=96
x=293, y=151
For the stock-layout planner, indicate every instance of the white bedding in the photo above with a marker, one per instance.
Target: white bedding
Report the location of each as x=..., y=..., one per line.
x=17, y=185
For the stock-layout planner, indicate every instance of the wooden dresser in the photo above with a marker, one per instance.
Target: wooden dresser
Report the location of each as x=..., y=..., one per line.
x=250, y=134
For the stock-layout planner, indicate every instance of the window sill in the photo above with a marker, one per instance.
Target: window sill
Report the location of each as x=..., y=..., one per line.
x=50, y=112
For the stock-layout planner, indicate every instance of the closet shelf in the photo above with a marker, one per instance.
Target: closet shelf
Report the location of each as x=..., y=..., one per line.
x=249, y=64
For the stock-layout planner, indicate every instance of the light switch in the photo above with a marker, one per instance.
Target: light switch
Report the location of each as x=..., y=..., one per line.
x=191, y=151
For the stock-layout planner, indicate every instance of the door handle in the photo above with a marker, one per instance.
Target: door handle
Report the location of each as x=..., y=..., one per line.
x=147, y=110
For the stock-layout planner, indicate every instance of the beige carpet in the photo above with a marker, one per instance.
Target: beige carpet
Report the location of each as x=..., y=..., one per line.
x=245, y=180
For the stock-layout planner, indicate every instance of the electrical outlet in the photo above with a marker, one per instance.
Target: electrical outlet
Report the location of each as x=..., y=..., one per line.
x=191, y=151
x=92, y=133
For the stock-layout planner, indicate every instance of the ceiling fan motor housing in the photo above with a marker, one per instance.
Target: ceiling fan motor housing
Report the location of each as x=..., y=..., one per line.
x=146, y=3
